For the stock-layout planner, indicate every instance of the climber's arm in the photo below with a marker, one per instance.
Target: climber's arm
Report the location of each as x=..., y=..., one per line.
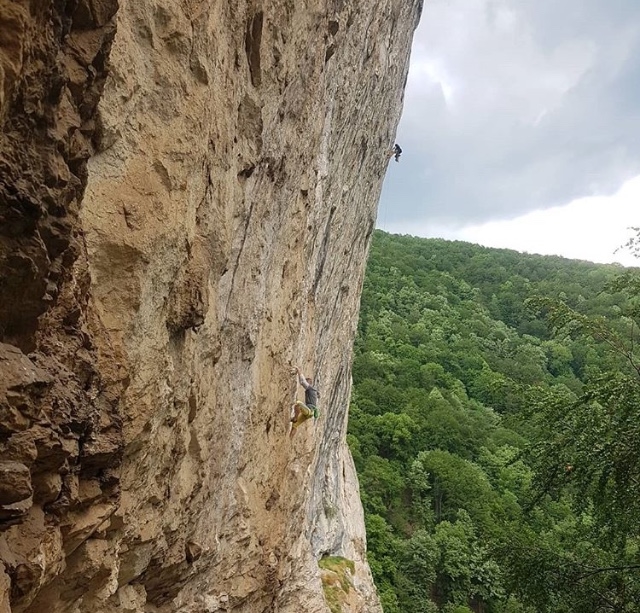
x=302, y=379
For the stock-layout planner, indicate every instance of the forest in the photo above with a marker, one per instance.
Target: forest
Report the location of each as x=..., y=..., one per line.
x=495, y=428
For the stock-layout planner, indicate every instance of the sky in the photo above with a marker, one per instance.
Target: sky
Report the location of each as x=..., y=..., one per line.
x=521, y=127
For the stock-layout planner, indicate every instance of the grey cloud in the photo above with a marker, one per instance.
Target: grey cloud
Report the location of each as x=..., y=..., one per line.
x=515, y=106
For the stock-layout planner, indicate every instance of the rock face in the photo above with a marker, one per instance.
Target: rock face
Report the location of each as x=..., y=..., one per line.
x=187, y=192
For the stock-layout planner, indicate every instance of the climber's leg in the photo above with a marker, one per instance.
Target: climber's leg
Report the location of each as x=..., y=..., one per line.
x=301, y=412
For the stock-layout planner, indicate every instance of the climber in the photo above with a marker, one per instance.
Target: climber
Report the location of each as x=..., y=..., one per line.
x=307, y=409
x=396, y=151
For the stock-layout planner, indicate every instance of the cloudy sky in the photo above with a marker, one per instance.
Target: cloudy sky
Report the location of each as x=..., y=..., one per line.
x=521, y=126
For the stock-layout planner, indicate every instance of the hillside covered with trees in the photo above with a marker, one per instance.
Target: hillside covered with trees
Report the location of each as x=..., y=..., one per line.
x=495, y=426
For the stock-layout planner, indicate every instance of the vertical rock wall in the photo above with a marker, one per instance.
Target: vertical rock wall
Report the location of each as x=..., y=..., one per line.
x=158, y=295
x=60, y=433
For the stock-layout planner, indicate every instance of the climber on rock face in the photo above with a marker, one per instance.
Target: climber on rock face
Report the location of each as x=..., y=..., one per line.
x=307, y=409
x=396, y=151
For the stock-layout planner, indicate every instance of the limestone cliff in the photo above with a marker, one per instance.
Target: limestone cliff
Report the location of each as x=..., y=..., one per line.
x=187, y=191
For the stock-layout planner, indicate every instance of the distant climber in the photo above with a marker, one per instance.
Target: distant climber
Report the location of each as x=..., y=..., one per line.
x=307, y=409
x=396, y=151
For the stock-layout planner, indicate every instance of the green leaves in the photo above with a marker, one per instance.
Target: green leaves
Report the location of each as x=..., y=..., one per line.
x=495, y=426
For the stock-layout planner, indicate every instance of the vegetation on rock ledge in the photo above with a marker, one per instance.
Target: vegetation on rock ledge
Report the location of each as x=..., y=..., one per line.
x=336, y=581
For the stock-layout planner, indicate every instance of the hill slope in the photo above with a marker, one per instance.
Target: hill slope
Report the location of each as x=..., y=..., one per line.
x=455, y=383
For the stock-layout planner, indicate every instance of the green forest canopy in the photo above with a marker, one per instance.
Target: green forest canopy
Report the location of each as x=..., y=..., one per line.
x=495, y=427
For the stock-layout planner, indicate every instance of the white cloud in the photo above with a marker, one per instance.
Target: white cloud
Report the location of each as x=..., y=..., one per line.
x=517, y=106
x=587, y=229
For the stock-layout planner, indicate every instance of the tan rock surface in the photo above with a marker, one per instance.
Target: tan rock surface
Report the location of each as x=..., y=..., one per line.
x=236, y=162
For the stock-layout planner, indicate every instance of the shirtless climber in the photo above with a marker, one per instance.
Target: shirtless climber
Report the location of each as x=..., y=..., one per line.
x=396, y=151
x=307, y=409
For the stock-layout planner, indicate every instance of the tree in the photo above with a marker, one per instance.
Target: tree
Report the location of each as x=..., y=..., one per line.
x=496, y=453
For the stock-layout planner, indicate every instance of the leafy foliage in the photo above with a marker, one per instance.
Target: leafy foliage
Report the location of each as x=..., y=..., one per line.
x=495, y=426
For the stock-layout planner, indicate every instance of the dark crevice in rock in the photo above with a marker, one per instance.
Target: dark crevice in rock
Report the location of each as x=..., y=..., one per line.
x=253, y=38
x=331, y=49
x=322, y=256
